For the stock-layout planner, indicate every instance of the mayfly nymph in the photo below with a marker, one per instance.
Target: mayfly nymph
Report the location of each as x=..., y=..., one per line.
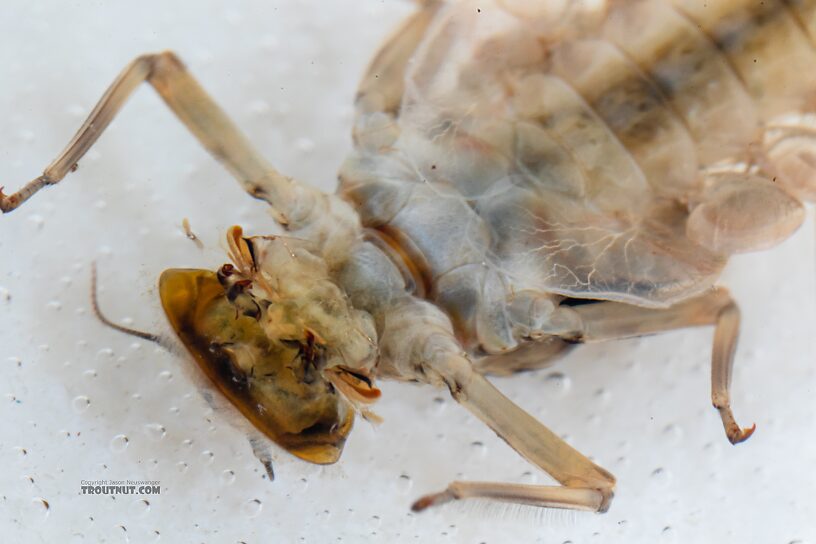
x=526, y=176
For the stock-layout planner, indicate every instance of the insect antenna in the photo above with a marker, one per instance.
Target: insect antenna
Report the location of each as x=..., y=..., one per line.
x=155, y=338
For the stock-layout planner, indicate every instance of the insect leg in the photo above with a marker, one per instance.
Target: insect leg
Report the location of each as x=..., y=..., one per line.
x=586, y=486
x=418, y=343
x=612, y=320
x=530, y=355
x=383, y=84
x=194, y=107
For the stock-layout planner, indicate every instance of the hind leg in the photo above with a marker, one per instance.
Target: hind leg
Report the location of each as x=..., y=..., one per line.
x=610, y=320
x=602, y=321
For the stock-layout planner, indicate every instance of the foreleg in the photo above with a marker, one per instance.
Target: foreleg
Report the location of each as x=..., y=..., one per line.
x=202, y=116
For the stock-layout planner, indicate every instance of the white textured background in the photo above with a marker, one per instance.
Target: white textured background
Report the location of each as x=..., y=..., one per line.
x=286, y=71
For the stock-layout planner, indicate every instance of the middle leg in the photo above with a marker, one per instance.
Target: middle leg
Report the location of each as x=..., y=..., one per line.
x=418, y=344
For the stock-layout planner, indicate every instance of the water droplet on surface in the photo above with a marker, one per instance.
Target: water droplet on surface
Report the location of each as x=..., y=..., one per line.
x=37, y=220
x=105, y=353
x=478, y=449
x=165, y=375
x=673, y=433
x=119, y=443
x=228, y=477
x=5, y=296
x=557, y=383
x=661, y=475
x=439, y=405
x=155, y=431
x=75, y=110
x=207, y=457
x=252, y=508
x=594, y=419
x=182, y=467
x=140, y=507
x=259, y=107
x=528, y=477
x=54, y=305
x=404, y=483
x=304, y=145
x=603, y=395
x=81, y=403
x=41, y=506
x=713, y=450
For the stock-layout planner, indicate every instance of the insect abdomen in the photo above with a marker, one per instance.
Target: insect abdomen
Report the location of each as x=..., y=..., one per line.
x=665, y=74
x=586, y=159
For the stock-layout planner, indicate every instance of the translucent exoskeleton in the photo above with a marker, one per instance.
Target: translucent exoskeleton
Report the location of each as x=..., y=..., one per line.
x=526, y=176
